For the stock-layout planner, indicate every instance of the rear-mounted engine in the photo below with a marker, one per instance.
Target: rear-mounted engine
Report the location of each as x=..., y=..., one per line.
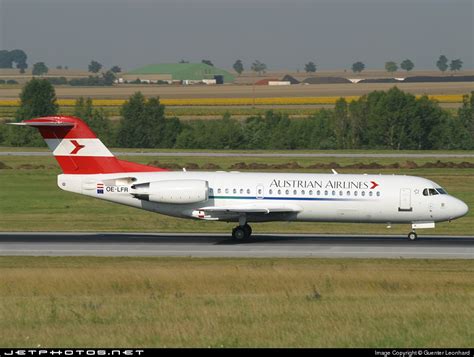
x=177, y=191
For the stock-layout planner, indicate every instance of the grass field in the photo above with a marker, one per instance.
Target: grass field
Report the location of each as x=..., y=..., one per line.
x=246, y=91
x=31, y=201
x=173, y=302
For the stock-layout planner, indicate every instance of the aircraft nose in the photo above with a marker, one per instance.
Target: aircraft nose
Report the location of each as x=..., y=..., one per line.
x=460, y=209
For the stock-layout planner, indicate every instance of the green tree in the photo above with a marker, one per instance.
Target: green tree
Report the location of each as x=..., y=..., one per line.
x=96, y=119
x=116, y=69
x=407, y=65
x=358, y=67
x=144, y=124
x=39, y=69
x=19, y=57
x=310, y=67
x=259, y=67
x=37, y=99
x=94, y=67
x=108, y=78
x=358, y=123
x=442, y=63
x=238, y=67
x=5, y=59
x=341, y=123
x=466, y=114
x=391, y=66
x=208, y=62
x=455, y=65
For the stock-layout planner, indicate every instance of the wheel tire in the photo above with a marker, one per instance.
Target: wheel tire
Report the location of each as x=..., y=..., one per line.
x=412, y=236
x=248, y=230
x=239, y=233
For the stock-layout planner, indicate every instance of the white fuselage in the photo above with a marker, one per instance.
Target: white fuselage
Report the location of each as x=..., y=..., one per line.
x=294, y=196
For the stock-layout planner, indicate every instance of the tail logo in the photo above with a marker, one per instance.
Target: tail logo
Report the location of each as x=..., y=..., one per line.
x=77, y=147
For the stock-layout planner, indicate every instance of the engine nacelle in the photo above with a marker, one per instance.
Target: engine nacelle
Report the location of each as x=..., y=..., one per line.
x=177, y=191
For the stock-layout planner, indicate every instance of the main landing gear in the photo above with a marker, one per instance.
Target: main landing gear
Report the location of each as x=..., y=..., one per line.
x=242, y=232
x=412, y=235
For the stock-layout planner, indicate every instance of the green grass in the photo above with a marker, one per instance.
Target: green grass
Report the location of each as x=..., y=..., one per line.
x=174, y=302
x=31, y=201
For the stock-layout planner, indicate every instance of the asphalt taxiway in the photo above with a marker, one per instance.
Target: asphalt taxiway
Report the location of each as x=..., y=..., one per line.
x=221, y=245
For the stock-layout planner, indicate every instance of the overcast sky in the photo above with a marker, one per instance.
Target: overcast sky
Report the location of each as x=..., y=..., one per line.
x=284, y=34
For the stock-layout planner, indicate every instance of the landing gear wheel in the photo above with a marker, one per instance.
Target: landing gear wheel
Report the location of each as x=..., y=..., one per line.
x=239, y=233
x=248, y=230
x=412, y=235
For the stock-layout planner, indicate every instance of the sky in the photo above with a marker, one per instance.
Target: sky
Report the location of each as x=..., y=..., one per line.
x=284, y=34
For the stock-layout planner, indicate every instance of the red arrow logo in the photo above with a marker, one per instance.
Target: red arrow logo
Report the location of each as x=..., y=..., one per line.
x=77, y=147
x=374, y=184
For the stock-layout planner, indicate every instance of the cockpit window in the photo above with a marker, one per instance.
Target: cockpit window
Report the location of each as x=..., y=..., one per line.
x=430, y=192
x=441, y=191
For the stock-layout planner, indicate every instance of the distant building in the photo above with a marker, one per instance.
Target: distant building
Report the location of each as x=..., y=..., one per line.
x=186, y=72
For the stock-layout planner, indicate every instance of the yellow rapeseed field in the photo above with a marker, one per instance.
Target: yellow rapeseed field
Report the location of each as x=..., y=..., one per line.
x=445, y=98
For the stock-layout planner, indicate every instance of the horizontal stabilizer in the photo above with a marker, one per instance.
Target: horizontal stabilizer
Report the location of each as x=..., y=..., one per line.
x=43, y=123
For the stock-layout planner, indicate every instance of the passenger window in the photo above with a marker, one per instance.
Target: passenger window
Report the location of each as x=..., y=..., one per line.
x=340, y=193
x=334, y=193
x=318, y=193
x=355, y=193
x=325, y=193
x=248, y=191
x=279, y=192
x=270, y=192
x=226, y=190
x=378, y=193
x=363, y=193
x=287, y=192
x=241, y=191
x=295, y=192
x=348, y=193
x=219, y=190
x=259, y=191
x=234, y=191
x=310, y=192
x=302, y=192
x=371, y=193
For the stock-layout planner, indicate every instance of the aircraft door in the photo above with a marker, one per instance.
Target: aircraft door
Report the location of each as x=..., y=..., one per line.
x=405, y=200
x=260, y=192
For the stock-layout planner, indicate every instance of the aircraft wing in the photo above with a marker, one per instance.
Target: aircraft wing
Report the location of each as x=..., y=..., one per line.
x=251, y=208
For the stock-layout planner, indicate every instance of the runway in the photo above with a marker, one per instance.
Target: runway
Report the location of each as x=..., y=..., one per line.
x=220, y=245
x=288, y=155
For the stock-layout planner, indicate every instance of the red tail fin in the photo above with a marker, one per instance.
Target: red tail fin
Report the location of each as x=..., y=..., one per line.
x=78, y=150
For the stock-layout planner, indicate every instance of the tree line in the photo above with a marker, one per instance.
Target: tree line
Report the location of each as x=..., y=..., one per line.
x=18, y=58
x=389, y=119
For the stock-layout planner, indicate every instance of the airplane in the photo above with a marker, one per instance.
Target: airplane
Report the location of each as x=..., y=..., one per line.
x=90, y=169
